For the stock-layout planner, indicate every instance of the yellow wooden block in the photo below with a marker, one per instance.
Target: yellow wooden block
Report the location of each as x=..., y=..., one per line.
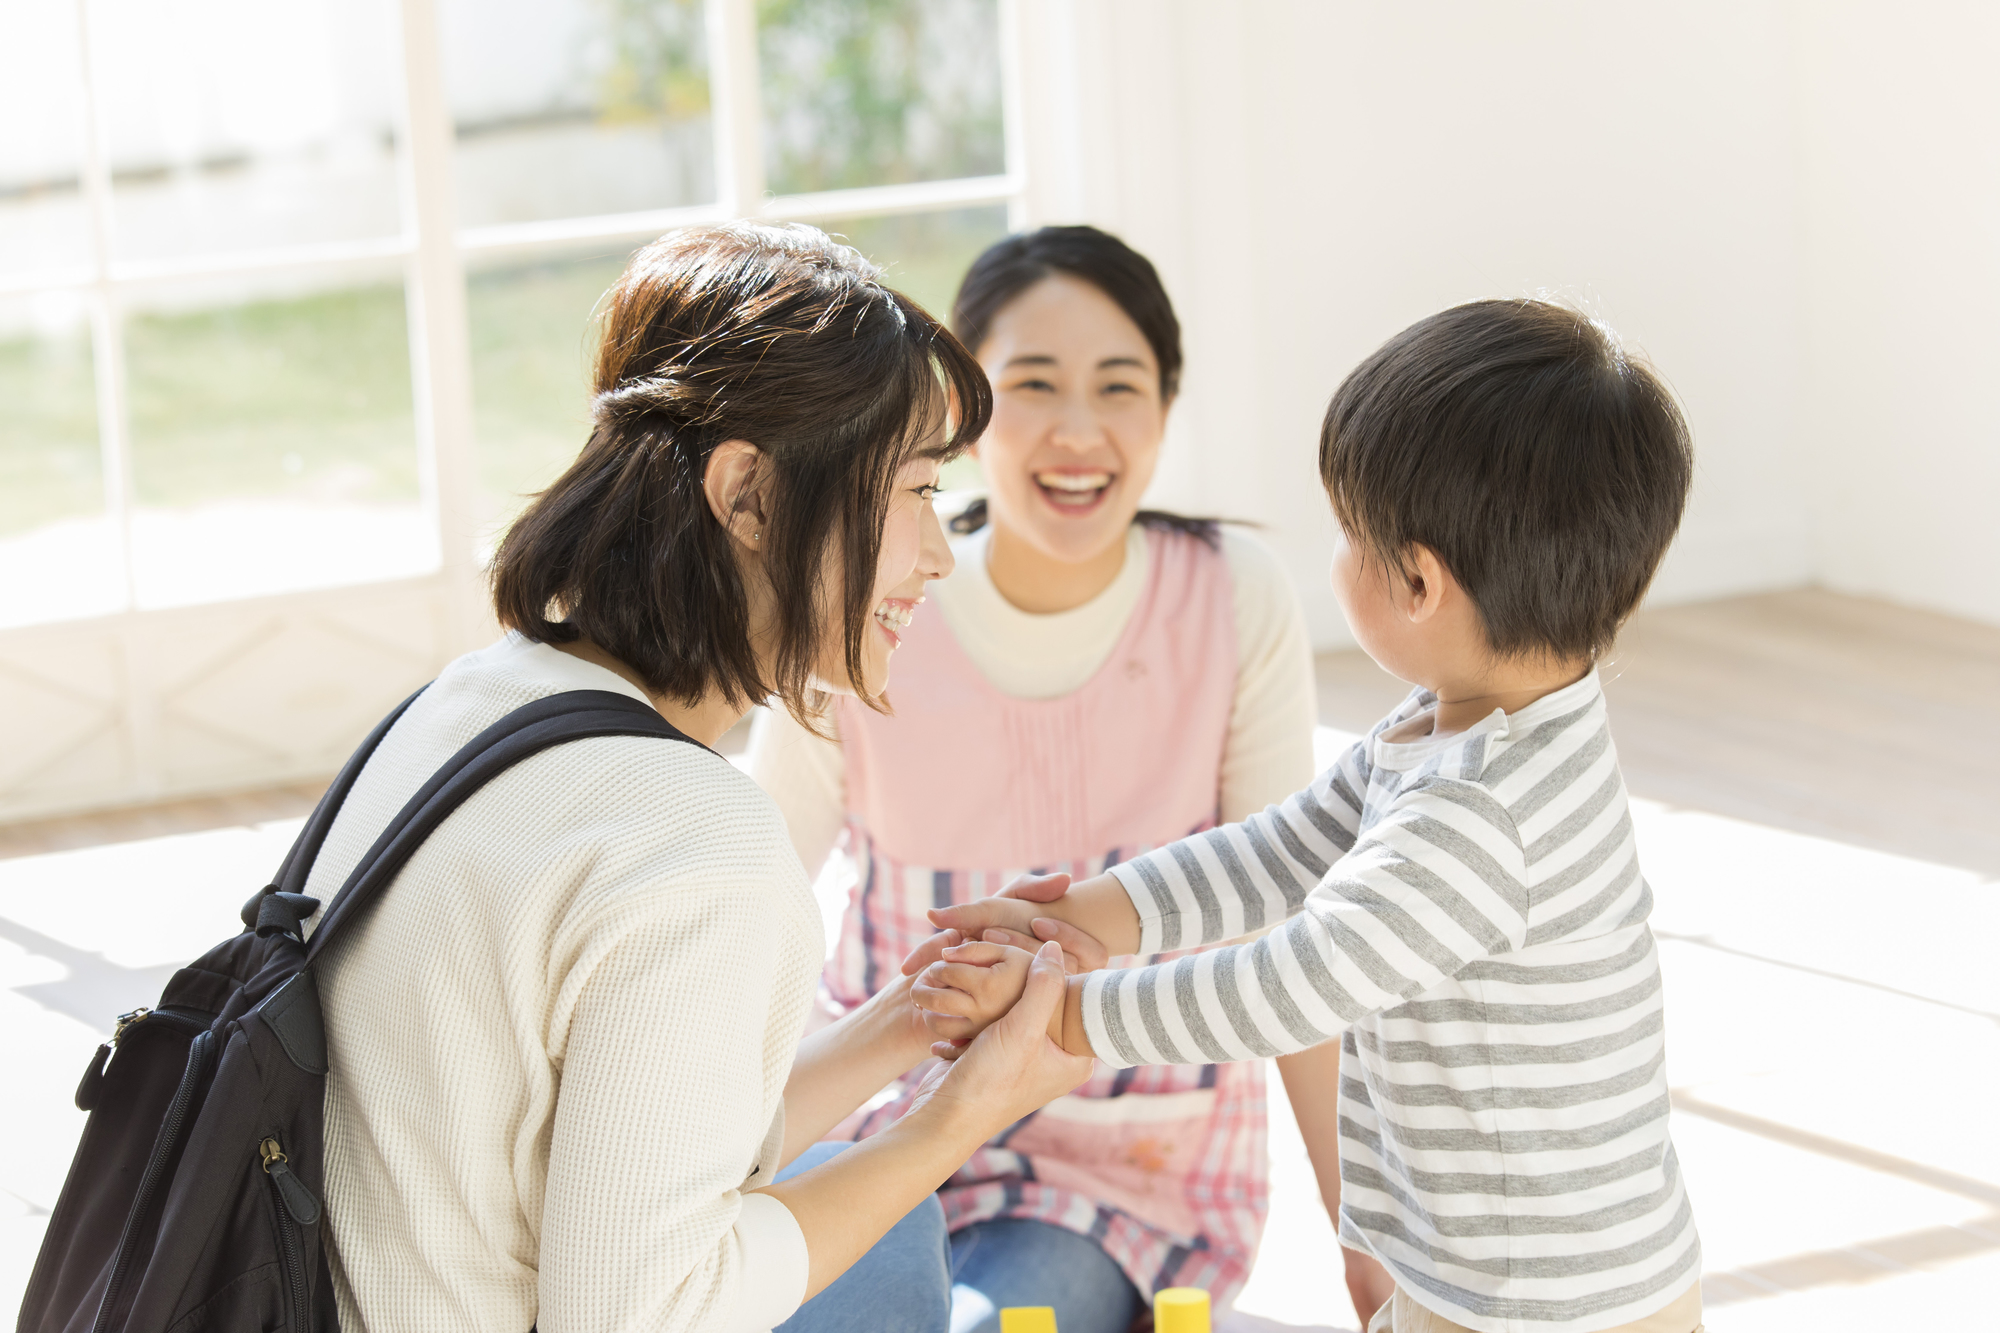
x=1028, y=1319
x=1180, y=1310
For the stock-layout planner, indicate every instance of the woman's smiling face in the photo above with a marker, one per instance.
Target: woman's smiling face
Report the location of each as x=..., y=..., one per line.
x=914, y=551
x=1077, y=418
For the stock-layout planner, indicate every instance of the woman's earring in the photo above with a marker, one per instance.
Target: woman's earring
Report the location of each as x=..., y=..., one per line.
x=756, y=536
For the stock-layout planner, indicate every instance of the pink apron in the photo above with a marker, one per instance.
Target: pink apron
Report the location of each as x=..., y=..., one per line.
x=966, y=787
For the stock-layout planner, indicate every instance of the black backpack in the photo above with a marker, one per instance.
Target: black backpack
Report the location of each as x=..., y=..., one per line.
x=194, y=1199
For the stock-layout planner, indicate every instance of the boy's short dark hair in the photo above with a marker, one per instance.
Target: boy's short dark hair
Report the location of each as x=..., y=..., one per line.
x=1518, y=441
x=772, y=334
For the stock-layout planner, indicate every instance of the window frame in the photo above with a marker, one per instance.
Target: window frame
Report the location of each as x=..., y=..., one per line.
x=434, y=251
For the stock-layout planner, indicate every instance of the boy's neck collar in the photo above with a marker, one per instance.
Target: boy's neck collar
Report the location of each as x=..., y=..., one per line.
x=1463, y=705
x=1419, y=735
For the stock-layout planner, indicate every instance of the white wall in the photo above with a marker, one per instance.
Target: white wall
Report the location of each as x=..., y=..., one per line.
x=1312, y=177
x=1899, y=116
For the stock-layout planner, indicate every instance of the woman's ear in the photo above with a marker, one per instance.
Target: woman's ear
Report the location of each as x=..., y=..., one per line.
x=737, y=483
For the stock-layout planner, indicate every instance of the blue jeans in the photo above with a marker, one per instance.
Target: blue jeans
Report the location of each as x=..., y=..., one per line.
x=1015, y=1261
x=902, y=1285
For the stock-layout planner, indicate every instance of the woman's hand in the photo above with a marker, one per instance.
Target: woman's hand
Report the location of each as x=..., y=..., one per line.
x=842, y=1065
x=1013, y=1066
x=845, y=1205
x=1010, y=918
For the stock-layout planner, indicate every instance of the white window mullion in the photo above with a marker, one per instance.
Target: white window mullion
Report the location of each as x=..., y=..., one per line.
x=882, y=200
x=560, y=237
x=137, y=690
x=736, y=106
x=360, y=254
x=1013, y=130
x=440, y=342
x=106, y=318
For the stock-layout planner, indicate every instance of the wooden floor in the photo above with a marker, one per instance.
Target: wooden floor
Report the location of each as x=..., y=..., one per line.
x=1848, y=719
x=1811, y=711
x=33, y=837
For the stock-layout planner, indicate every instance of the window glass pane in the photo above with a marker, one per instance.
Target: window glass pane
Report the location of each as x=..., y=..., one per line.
x=879, y=92
x=43, y=225
x=924, y=255
x=577, y=109
x=245, y=124
x=531, y=352
x=273, y=444
x=59, y=556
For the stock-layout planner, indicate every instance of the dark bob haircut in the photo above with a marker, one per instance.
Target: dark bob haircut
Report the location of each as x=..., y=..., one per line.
x=1518, y=441
x=772, y=334
x=1007, y=268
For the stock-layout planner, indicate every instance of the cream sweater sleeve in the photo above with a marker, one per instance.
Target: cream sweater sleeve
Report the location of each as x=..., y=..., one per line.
x=645, y=1224
x=1269, y=753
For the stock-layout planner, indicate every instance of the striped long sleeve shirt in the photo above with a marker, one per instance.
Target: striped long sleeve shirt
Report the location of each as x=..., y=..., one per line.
x=1466, y=914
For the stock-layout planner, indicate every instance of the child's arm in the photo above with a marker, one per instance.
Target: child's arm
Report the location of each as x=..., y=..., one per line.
x=1094, y=921
x=1213, y=886
x=1439, y=881
x=1239, y=878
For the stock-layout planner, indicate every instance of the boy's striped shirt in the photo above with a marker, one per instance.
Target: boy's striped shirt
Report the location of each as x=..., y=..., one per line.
x=1467, y=914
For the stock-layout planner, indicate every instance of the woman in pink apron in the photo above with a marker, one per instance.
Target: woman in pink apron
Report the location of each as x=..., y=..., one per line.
x=1097, y=681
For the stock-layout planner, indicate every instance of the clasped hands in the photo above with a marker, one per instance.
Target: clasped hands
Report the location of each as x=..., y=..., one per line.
x=974, y=970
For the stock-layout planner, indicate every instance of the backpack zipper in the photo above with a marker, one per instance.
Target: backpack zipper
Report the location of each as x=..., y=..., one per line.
x=275, y=1166
x=171, y=1131
x=188, y=1021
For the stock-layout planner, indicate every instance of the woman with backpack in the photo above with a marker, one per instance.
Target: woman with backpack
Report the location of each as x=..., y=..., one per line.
x=565, y=1052
x=1097, y=680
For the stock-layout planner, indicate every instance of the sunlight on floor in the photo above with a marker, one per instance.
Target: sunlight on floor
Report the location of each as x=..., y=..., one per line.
x=1834, y=1040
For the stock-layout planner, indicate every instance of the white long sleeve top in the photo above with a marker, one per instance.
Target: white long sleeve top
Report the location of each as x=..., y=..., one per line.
x=559, y=1042
x=1269, y=750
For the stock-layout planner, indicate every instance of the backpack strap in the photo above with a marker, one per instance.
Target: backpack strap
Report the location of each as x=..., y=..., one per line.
x=298, y=862
x=528, y=730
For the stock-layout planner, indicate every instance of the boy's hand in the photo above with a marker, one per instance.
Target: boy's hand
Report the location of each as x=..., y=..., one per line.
x=1010, y=918
x=970, y=987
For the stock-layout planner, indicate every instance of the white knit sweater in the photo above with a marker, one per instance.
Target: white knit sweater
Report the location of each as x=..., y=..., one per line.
x=559, y=1042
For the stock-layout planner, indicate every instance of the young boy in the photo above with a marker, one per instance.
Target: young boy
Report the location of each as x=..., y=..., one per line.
x=1458, y=900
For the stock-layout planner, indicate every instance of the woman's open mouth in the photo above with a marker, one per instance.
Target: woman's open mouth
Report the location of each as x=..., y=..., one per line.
x=1074, y=492
x=894, y=614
